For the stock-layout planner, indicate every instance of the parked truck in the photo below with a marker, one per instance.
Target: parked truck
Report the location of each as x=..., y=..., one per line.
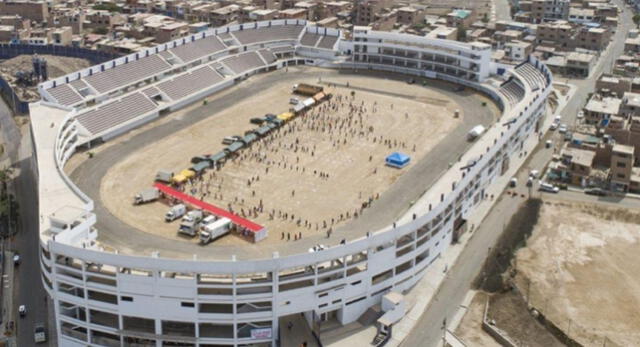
x=175, y=212
x=39, y=333
x=475, y=132
x=307, y=89
x=164, y=176
x=190, y=222
x=145, y=196
x=212, y=231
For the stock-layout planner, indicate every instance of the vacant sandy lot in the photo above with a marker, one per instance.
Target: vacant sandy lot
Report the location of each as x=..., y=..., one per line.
x=317, y=169
x=582, y=270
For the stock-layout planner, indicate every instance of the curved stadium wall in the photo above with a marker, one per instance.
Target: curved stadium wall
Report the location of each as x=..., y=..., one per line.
x=106, y=298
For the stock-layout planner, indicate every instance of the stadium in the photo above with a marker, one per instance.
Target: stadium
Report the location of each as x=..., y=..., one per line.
x=315, y=168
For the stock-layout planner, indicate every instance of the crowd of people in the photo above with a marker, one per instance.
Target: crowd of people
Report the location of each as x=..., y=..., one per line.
x=338, y=123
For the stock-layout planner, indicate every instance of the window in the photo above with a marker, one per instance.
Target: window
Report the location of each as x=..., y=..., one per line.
x=621, y=175
x=621, y=164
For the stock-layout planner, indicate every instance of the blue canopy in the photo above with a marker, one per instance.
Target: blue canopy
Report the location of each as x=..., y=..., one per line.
x=398, y=160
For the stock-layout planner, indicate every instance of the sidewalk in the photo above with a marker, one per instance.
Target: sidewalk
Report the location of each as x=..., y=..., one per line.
x=7, y=335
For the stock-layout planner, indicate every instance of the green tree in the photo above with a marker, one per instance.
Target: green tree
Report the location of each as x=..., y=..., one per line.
x=636, y=19
x=108, y=7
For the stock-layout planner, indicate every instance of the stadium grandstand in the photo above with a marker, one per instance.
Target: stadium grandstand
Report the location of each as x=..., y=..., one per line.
x=117, y=297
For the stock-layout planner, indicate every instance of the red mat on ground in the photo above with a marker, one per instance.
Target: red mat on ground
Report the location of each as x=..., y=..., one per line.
x=188, y=199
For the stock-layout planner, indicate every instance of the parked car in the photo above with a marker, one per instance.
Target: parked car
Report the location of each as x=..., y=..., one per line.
x=513, y=182
x=411, y=81
x=534, y=173
x=596, y=191
x=548, y=187
x=16, y=259
x=294, y=101
x=548, y=144
x=580, y=115
x=562, y=129
x=256, y=121
x=553, y=126
x=22, y=310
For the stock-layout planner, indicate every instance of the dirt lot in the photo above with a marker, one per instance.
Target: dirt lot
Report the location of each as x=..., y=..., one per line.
x=581, y=268
x=470, y=328
x=57, y=66
x=318, y=168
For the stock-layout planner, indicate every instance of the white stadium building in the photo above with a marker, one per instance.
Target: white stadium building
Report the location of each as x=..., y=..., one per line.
x=110, y=297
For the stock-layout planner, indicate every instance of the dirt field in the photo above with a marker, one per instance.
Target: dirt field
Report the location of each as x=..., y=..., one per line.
x=58, y=66
x=581, y=268
x=318, y=168
x=470, y=328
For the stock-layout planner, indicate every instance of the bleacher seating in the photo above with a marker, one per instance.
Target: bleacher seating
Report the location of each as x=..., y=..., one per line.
x=188, y=83
x=272, y=33
x=309, y=39
x=151, y=91
x=128, y=73
x=115, y=113
x=65, y=95
x=243, y=62
x=327, y=42
x=267, y=55
x=533, y=77
x=79, y=85
x=198, y=49
x=513, y=91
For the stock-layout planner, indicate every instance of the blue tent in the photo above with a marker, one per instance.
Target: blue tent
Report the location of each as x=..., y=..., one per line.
x=398, y=160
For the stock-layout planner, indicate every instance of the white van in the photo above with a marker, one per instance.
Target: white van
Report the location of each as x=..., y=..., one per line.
x=548, y=187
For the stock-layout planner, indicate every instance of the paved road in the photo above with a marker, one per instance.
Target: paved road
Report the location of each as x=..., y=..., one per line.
x=28, y=288
x=454, y=288
x=395, y=201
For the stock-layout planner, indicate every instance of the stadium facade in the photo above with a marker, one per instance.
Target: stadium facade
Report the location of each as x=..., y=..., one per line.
x=107, y=297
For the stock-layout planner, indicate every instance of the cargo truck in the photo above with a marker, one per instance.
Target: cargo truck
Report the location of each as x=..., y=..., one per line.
x=39, y=333
x=164, y=176
x=307, y=89
x=212, y=231
x=175, y=212
x=145, y=196
x=190, y=222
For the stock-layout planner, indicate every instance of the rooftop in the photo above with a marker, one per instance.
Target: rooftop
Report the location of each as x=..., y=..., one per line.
x=604, y=105
x=618, y=148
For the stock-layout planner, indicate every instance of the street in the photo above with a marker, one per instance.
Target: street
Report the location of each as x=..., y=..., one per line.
x=428, y=332
x=27, y=286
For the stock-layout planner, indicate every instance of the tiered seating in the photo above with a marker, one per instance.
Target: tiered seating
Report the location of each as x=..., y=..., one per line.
x=309, y=39
x=128, y=73
x=166, y=55
x=282, y=49
x=327, y=42
x=272, y=33
x=65, y=95
x=78, y=85
x=533, y=76
x=151, y=91
x=198, y=49
x=267, y=55
x=512, y=91
x=189, y=83
x=243, y=62
x=116, y=113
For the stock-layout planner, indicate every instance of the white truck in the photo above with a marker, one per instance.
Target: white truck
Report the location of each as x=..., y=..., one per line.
x=145, y=196
x=475, y=132
x=190, y=222
x=39, y=333
x=212, y=231
x=175, y=212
